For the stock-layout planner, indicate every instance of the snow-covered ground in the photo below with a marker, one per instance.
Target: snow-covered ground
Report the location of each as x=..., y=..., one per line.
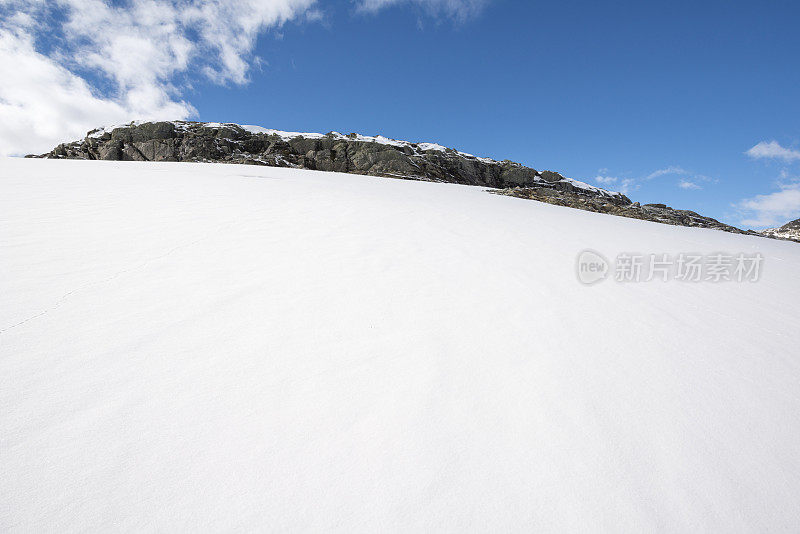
x=199, y=347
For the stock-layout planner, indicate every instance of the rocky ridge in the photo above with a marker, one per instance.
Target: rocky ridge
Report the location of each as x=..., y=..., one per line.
x=353, y=153
x=789, y=230
x=660, y=213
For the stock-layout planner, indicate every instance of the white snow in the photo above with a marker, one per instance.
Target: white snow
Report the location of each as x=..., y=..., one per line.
x=200, y=347
x=588, y=187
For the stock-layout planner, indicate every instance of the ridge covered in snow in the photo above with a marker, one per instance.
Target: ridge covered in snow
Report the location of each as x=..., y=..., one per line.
x=417, y=149
x=790, y=230
x=286, y=136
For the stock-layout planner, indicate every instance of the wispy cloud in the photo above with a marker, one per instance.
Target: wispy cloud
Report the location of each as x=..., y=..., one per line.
x=623, y=185
x=773, y=150
x=687, y=181
x=606, y=180
x=626, y=185
x=773, y=209
x=460, y=10
x=119, y=61
x=665, y=172
x=778, y=207
x=688, y=184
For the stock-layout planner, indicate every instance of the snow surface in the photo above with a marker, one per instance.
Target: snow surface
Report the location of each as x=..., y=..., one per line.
x=208, y=347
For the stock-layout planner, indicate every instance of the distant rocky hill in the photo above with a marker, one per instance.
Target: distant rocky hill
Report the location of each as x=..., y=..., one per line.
x=354, y=153
x=787, y=231
x=649, y=212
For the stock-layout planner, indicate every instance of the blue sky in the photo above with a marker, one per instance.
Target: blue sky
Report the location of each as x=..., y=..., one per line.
x=660, y=99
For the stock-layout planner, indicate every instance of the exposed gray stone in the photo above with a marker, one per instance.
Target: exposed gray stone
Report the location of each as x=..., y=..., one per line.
x=230, y=143
x=660, y=213
x=790, y=231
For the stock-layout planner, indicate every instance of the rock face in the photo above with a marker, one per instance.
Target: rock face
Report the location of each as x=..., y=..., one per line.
x=377, y=156
x=660, y=213
x=787, y=231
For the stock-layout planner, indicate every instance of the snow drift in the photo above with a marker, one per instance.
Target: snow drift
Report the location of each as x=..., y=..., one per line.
x=225, y=347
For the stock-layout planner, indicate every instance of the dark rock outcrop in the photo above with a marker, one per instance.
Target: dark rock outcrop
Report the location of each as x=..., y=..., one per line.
x=660, y=213
x=789, y=231
x=378, y=156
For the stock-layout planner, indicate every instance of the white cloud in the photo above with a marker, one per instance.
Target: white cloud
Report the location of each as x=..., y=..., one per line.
x=665, y=172
x=623, y=185
x=627, y=185
x=688, y=184
x=141, y=53
x=688, y=180
x=774, y=209
x=458, y=9
x=607, y=180
x=44, y=103
x=779, y=207
x=773, y=150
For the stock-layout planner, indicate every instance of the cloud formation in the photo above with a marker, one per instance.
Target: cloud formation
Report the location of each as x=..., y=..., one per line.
x=773, y=150
x=78, y=64
x=623, y=185
x=459, y=10
x=688, y=184
x=773, y=209
x=687, y=181
x=606, y=180
x=665, y=172
x=781, y=206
